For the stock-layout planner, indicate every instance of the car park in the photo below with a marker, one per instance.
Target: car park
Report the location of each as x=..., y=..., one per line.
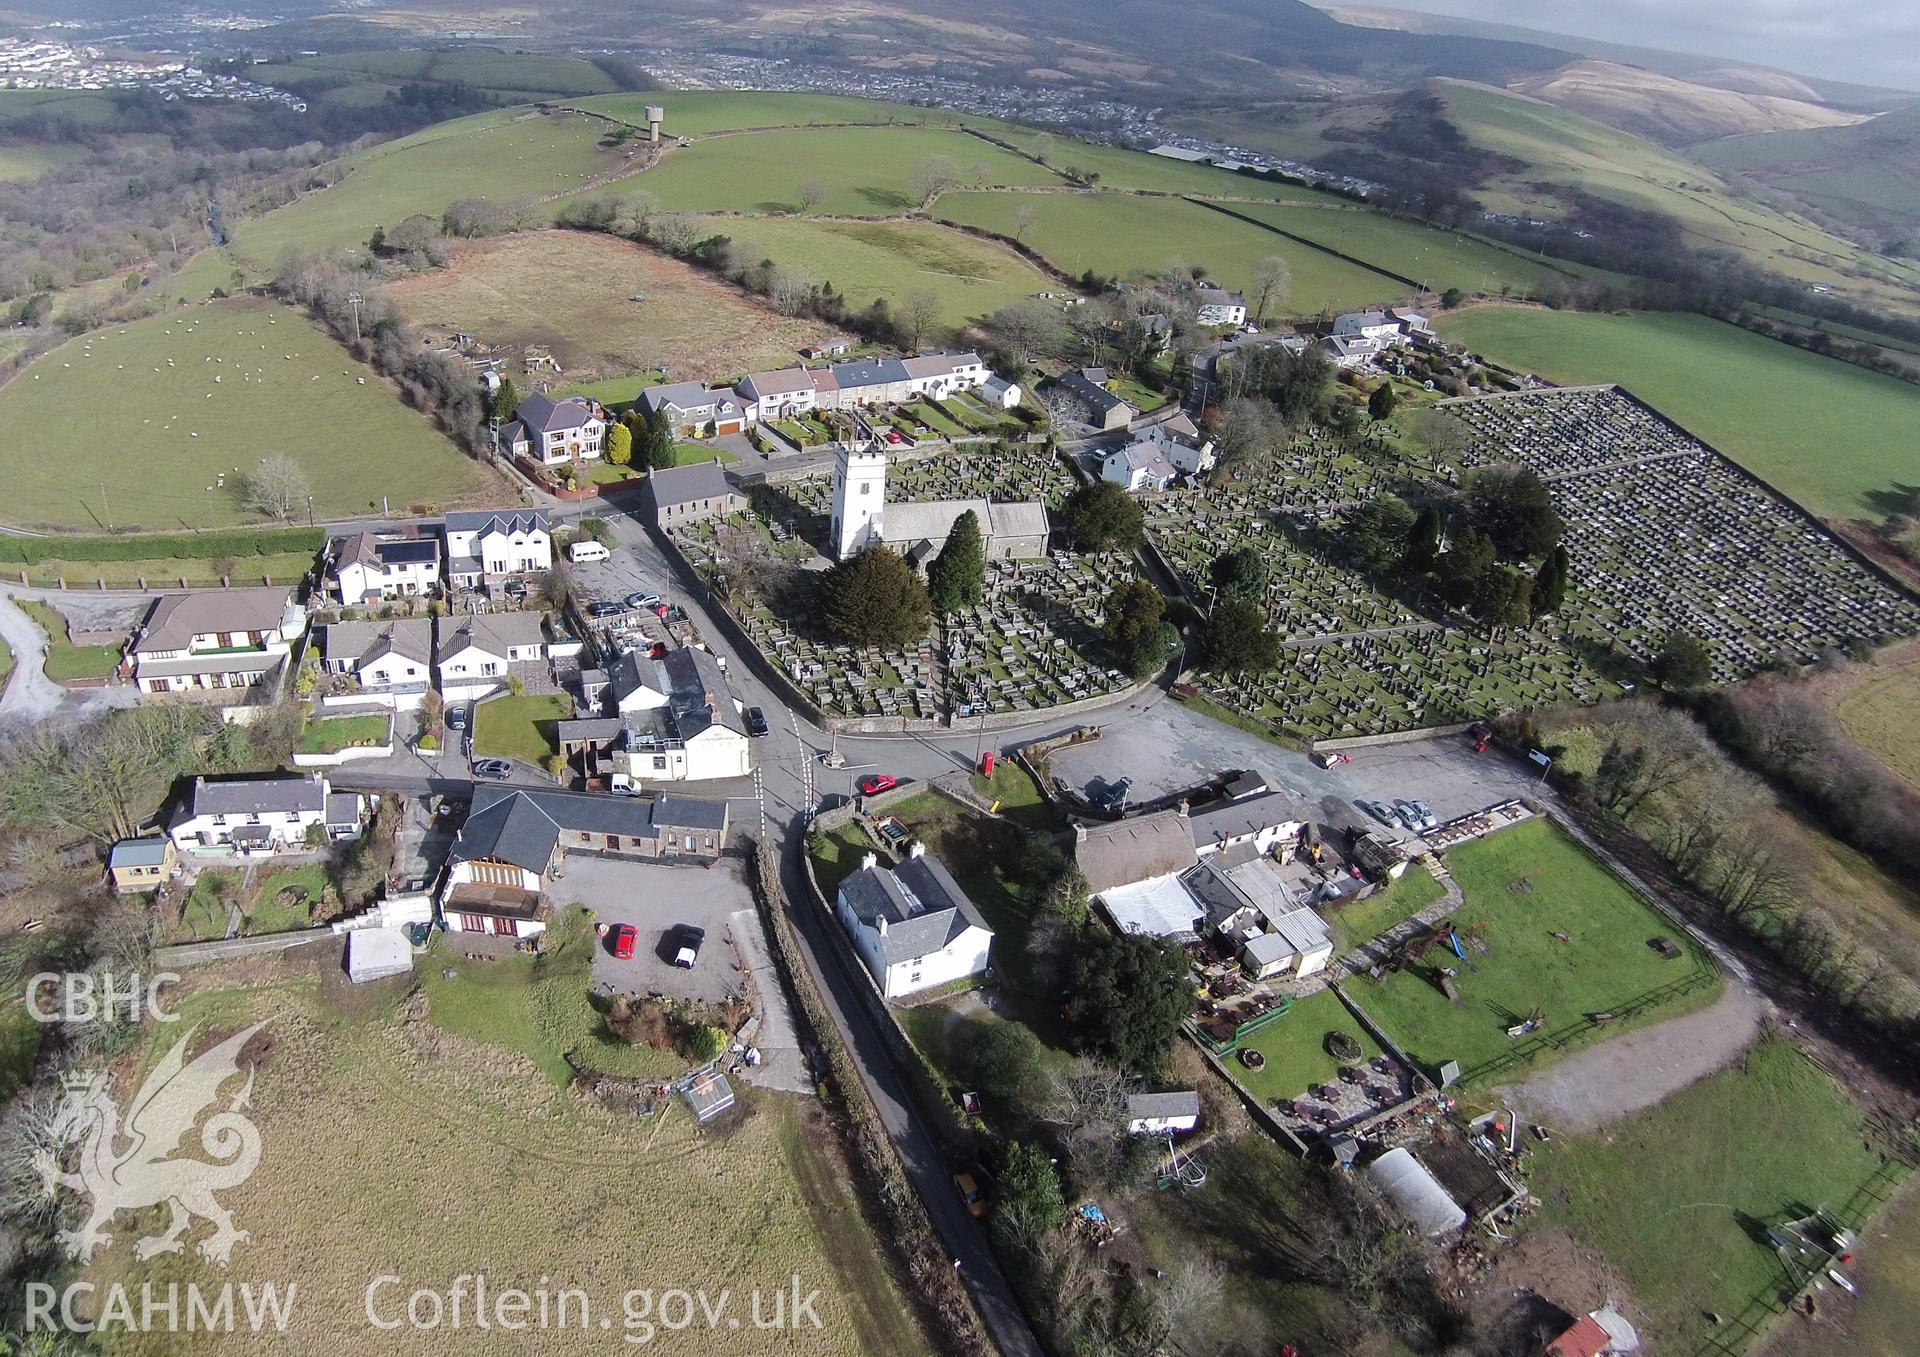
x=757, y=721
x=687, y=950
x=1423, y=814
x=875, y=783
x=498, y=769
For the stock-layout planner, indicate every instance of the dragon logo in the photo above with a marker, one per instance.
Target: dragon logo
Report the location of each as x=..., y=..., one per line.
x=144, y=1173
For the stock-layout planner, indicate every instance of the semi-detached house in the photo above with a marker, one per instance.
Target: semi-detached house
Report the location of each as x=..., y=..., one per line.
x=368, y=566
x=263, y=814
x=392, y=661
x=488, y=547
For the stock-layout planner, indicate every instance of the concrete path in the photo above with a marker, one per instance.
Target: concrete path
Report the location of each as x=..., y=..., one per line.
x=781, y=1064
x=1606, y=1083
x=29, y=694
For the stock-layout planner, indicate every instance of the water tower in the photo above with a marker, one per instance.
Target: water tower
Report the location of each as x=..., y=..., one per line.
x=655, y=116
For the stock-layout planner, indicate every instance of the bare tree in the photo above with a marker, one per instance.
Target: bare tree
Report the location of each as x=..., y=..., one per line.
x=1249, y=429
x=523, y=212
x=1043, y=147
x=1191, y=1289
x=979, y=173
x=917, y=314
x=1088, y=1102
x=30, y=1146
x=637, y=210
x=809, y=194
x=276, y=487
x=1272, y=285
x=789, y=291
x=1026, y=328
x=1441, y=433
x=1023, y=216
x=675, y=231
x=937, y=175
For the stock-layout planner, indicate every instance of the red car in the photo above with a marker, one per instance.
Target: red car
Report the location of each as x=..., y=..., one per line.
x=875, y=783
x=894, y=436
x=621, y=941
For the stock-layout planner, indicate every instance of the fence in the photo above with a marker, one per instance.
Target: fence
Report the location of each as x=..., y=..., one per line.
x=1527, y=1049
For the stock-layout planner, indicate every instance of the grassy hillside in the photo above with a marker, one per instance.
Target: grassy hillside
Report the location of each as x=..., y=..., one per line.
x=1124, y=235
x=1823, y=432
x=1866, y=175
x=170, y=413
x=1669, y=110
x=694, y=113
x=867, y=171
x=506, y=154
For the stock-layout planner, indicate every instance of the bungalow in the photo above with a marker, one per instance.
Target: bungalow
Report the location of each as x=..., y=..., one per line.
x=554, y=431
x=690, y=408
x=477, y=653
x=683, y=723
x=691, y=494
x=142, y=864
x=911, y=924
x=1217, y=306
x=368, y=566
x=391, y=660
x=515, y=837
x=1086, y=396
x=230, y=638
x=1000, y=393
x=486, y=547
x=1159, y=1114
x=264, y=814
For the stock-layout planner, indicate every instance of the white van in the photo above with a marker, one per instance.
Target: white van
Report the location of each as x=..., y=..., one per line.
x=586, y=549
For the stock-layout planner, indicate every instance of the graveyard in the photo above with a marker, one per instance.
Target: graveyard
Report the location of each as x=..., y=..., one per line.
x=1664, y=533
x=1031, y=644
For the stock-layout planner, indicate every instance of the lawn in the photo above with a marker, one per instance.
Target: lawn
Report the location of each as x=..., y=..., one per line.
x=336, y=733
x=65, y=660
x=597, y=1199
x=165, y=572
x=1674, y=1196
x=502, y=154
x=866, y=171
x=1880, y=708
x=1440, y=259
x=868, y=259
x=1824, y=433
x=520, y=727
x=1296, y=1048
x=1355, y=923
x=1013, y=789
x=616, y=393
x=277, y=902
x=836, y=855
x=1523, y=886
x=1124, y=235
x=204, y=394
x=573, y=292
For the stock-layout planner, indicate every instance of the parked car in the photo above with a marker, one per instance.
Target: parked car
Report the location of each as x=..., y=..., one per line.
x=516, y=589
x=1423, y=814
x=620, y=941
x=1379, y=811
x=1332, y=760
x=1404, y=814
x=875, y=783
x=895, y=437
x=642, y=600
x=605, y=608
x=493, y=768
x=971, y=1194
x=688, y=951
x=757, y=721
x=456, y=718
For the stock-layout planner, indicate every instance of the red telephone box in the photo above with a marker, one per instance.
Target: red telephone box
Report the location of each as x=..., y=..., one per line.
x=986, y=764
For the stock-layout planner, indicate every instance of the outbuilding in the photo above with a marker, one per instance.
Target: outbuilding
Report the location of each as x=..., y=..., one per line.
x=1159, y=1114
x=1414, y=1194
x=376, y=953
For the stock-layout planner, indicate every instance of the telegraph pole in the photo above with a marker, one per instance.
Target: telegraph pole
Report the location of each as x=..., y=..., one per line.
x=353, y=300
x=107, y=512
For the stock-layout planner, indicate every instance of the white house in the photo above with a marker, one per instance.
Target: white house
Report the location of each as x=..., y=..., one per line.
x=1158, y=1114
x=1190, y=451
x=487, y=547
x=1217, y=306
x=683, y=723
x=911, y=924
x=1001, y=393
x=555, y=431
x=1141, y=467
x=263, y=815
x=392, y=661
x=477, y=653
x=1378, y=326
x=369, y=566
x=1263, y=818
x=779, y=395
x=940, y=375
x=1353, y=351
x=1412, y=324
x=226, y=638
x=1296, y=942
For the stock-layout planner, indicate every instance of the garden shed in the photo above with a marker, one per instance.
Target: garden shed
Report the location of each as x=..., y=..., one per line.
x=376, y=953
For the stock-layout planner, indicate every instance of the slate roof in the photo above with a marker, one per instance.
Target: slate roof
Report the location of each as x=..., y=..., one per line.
x=506, y=520
x=687, y=396
x=1247, y=815
x=785, y=382
x=688, y=484
x=1179, y=1102
x=937, y=364
x=859, y=372
x=1218, y=296
x=699, y=693
x=1089, y=393
x=541, y=413
x=922, y=905
x=1135, y=849
x=493, y=633
x=177, y=618
x=258, y=795
x=522, y=825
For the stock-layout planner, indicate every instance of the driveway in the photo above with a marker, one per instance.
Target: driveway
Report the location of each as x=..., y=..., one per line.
x=658, y=900
x=30, y=695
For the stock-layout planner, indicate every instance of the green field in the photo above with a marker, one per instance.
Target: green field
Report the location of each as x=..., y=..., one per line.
x=865, y=260
x=1439, y=259
x=341, y=732
x=30, y=162
x=694, y=113
x=520, y=727
x=1674, y=1196
x=1296, y=1048
x=867, y=171
x=1820, y=431
x=512, y=153
x=1125, y=235
x=1880, y=708
x=80, y=413
x=1523, y=886
x=1353, y=924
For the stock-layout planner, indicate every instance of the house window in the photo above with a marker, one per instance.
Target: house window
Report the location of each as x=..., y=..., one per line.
x=659, y=761
x=293, y=817
x=219, y=819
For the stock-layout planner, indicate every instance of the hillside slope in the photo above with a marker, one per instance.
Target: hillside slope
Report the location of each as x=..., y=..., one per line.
x=1866, y=176
x=1669, y=110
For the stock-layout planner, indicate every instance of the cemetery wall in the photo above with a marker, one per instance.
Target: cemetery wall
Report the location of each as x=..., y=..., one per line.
x=1391, y=737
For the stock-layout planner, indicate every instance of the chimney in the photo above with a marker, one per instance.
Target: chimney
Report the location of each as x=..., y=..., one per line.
x=1079, y=833
x=868, y=862
x=880, y=925
x=1182, y=808
x=919, y=850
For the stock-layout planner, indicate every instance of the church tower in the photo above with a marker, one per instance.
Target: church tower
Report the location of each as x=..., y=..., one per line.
x=859, y=494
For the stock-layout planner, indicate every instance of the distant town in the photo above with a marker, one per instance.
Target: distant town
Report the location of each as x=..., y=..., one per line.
x=39, y=65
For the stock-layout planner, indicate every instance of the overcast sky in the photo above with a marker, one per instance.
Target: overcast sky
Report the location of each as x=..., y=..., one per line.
x=1869, y=42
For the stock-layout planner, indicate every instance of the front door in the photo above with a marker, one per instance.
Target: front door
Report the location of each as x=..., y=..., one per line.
x=506, y=928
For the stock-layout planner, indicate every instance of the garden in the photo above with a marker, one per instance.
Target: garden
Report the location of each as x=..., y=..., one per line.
x=275, y=902
x=335, y=733
x=520, y=727
x=1298, y=1051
